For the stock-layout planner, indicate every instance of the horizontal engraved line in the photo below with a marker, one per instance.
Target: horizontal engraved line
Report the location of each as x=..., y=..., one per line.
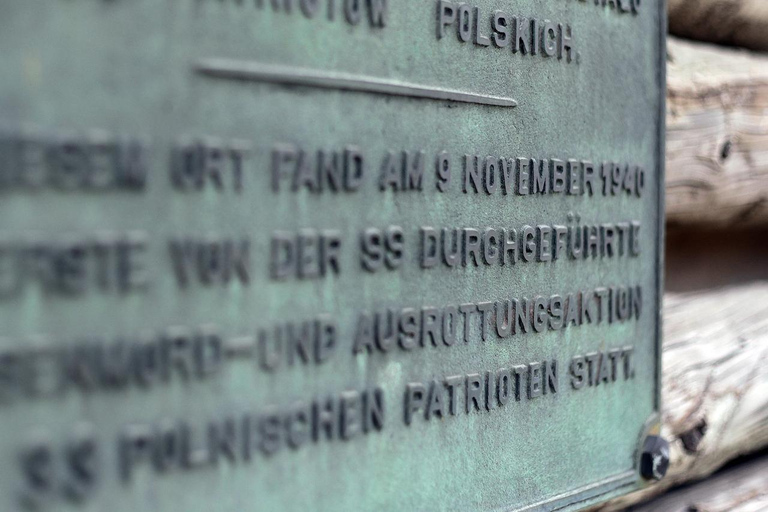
x=258, y=72
x=240, y=347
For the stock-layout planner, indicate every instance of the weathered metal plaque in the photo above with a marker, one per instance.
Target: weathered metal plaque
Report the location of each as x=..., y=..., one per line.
x=332, y=255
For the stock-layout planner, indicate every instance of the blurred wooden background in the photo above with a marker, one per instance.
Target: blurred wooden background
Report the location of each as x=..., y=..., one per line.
x=715, y=354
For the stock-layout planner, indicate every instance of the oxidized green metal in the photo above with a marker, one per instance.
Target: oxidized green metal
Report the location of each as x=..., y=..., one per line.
x=328, y=254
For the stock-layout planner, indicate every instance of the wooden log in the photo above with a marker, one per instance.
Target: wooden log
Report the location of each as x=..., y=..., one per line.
x=730, y=22
x=715, y=382
x=742, y=488
x=717, y=135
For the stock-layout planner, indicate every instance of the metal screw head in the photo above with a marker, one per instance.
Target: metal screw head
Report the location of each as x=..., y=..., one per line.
x=654, y=460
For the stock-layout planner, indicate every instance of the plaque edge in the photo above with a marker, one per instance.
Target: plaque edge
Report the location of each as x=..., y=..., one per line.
x=630, y=480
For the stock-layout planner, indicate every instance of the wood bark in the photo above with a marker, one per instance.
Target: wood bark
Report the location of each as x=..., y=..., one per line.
x=715, y=382
x=717, y=135
x=730, y=22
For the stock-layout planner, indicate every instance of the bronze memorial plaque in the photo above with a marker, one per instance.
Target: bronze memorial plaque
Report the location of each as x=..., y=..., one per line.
x=329, y=255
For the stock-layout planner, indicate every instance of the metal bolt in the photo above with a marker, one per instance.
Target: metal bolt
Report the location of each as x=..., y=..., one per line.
x=654, y=460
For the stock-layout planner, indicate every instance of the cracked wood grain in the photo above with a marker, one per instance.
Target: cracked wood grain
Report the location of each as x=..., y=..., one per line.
x=717, y=135
x=715, y=382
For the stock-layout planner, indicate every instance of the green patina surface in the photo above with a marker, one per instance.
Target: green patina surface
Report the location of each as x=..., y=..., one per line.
x=126, y=66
